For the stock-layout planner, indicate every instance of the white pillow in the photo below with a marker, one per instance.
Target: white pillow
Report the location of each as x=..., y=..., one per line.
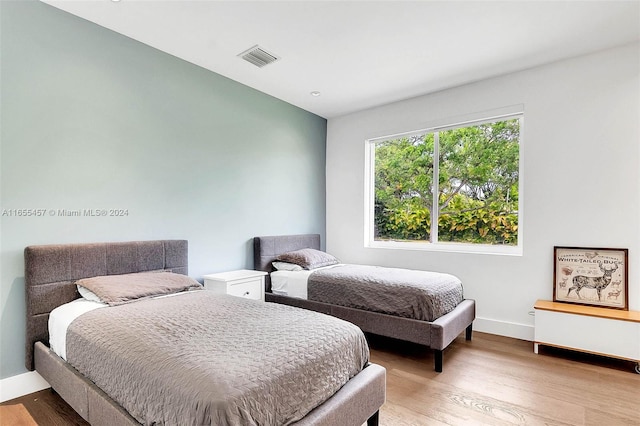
x=88, y=294
x=285, y=266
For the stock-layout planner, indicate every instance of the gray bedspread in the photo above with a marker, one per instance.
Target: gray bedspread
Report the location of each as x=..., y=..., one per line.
x=406, y=293
x=207, y=359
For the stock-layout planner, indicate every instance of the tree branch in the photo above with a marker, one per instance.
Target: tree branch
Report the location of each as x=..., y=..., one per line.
x=448, y=200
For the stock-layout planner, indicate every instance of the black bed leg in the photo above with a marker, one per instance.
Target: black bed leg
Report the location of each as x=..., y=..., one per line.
x=374, y=419
x=468, y=332
x=438, y=360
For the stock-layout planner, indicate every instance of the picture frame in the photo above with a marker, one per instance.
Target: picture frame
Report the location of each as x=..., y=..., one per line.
x=591, y=276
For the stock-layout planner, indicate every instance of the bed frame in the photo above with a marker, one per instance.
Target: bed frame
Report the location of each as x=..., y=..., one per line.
x=437, y=334
x=50, y=275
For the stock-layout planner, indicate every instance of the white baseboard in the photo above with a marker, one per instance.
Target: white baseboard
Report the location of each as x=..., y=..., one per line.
x=503, y=328
x=20, y=385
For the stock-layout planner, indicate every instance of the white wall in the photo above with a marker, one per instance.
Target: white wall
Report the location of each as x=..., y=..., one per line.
x=581, y=179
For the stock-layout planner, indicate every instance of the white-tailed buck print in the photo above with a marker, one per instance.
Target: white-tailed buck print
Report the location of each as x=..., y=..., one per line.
x=597, y=283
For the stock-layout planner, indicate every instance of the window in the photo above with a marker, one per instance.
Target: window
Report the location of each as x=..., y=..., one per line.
x=451, y=187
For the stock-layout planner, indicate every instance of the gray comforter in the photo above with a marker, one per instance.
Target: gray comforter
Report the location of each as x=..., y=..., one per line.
x=203, y=358
x=406, y=293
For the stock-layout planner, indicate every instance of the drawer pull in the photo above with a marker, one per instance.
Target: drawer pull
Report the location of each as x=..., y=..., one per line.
x=246, y=293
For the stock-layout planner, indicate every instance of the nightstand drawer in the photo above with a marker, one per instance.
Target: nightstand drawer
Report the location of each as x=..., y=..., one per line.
x=251, y=289
x=242, y=283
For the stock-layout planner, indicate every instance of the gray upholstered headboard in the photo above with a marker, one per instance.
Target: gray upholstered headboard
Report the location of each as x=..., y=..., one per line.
x=266, y=249
x=51, y=272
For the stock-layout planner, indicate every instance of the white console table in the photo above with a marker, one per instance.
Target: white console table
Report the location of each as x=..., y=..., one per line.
x=601, y=331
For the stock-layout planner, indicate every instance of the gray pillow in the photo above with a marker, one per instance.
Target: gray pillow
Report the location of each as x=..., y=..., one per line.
x=118, y=289
x=308, y=258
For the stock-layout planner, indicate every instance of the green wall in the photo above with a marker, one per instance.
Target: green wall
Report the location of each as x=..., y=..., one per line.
x=94, y=120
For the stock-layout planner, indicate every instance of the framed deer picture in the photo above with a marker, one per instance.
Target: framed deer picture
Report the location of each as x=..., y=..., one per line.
x=591, y=276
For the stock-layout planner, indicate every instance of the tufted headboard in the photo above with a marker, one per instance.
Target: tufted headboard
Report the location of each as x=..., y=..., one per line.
x=266, y=249
x=51, y=272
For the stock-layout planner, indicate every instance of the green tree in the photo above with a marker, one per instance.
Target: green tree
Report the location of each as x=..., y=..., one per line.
x=477, y=186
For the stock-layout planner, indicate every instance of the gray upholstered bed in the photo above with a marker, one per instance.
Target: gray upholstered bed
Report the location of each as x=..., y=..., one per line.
x=437, y=334
x=50, y=275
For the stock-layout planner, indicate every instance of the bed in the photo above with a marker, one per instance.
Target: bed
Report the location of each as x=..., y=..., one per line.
x=51, y=273
x=437, y=333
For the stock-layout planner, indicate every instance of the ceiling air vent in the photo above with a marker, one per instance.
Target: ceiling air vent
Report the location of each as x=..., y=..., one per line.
x=258, y=56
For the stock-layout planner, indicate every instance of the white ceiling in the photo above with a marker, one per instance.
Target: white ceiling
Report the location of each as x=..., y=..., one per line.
x=360, y=54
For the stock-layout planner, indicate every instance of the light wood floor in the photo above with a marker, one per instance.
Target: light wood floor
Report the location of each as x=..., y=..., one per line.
x=491, y=380
x=495, y=380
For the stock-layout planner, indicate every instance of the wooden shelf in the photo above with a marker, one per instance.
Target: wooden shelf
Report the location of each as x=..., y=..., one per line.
x=592, y=311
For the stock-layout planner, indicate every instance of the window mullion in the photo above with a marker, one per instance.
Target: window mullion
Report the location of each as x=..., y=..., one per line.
x=435, y=188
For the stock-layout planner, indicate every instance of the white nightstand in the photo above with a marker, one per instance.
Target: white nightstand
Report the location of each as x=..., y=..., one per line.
x=242, y=283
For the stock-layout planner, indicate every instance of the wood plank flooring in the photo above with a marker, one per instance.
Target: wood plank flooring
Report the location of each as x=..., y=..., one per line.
x=43, y=408
x=495, y=380
x=491, y=380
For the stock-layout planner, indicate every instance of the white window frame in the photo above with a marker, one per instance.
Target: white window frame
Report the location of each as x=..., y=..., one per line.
x=369, y=241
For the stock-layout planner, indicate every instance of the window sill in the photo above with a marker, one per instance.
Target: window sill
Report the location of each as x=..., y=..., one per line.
x=447, y=247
